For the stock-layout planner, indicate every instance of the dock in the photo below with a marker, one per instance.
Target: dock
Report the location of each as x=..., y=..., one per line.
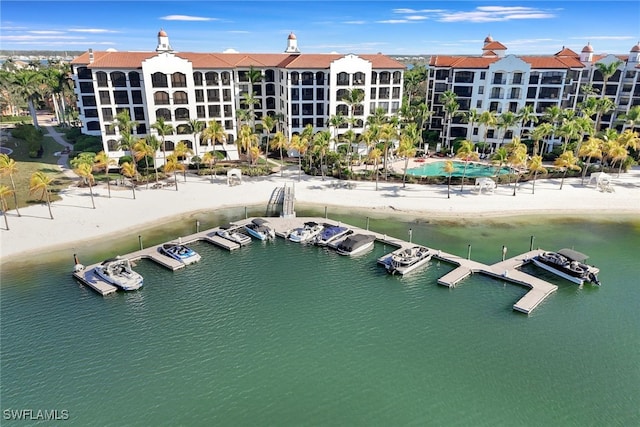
x=506, y=270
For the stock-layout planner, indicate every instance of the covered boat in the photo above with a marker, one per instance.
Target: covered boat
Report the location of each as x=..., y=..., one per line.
x=408, y=259
x=306, y=233
x=568, y=264
x=180, y=253
x=230, y=232
x=118, y=272
x=331, y=233
x=260, y=229
x=355, y=244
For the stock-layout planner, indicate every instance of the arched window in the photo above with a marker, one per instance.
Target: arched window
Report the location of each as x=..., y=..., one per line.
x=197, y=78
x=169, y=145
x=182, y=114
x=295, y=78
x=396, y=77
x=161, y=98
x=164, y=113
x=271, y=89
x=341, y=94
x=342, y=109
x=211, y=78
x=112, y=145
x=118, y=79
x=134, y=79
x=183, y=129
x=319, y=78
x=84, y=73
x=359, y=123
x=101, y=78
x=271, y=103
x=307, y=78
x=343, y=79
x=358, y=110
x=269, y=76
x=159, y=80
x=374, y=77
x=385, y=77
x=180, y=97
x=226, y=78
x=358, y=79
x=178, y=80
x=187, y=143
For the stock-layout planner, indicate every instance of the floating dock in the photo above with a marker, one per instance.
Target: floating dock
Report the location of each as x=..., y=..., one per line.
x=507, y=270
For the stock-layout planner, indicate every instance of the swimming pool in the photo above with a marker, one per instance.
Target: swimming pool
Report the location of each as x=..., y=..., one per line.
x=473, y=170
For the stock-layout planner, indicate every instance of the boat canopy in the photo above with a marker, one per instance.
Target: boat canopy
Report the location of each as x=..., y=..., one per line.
x=573, y=255
x=228, y=226
x=259, y=221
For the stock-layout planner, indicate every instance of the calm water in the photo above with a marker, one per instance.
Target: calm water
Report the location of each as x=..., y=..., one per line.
x=283, y=334
x=473, y=170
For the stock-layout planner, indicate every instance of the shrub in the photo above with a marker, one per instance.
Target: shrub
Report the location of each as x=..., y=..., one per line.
x=88, y=143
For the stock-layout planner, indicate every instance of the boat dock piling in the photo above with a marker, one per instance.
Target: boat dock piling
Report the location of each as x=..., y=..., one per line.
x=506, y=270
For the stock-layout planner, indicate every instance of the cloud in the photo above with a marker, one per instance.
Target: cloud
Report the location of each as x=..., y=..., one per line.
x=354, y=22
x=45, y=32
x=230, y=50
x=238, y=32
x=91, y=30
x=186, y=18
x=414, y=11
x=25, y=38
x=495, y=14
x=603, y=38
x=395, y=21
x=416, y=17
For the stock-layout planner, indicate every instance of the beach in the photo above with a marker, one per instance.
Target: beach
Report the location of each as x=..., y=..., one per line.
x=76, y=221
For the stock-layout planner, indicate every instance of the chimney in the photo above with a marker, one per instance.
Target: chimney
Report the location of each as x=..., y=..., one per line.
x=90, y=56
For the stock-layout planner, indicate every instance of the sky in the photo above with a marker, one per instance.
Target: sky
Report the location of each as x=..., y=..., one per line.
x=392, y=27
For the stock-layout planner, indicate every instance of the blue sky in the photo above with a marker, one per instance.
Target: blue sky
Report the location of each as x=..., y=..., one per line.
x=391, y=27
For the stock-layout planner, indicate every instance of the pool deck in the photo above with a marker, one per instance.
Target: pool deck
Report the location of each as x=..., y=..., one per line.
x=506, y=270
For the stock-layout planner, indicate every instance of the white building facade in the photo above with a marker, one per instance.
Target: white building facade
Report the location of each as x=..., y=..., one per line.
x=498, y=82
x=295, y=88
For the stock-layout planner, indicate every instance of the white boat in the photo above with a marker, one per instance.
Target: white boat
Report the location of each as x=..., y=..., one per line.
x=355, y=244
x=308, y=232
x=229, y=232
x=118, y=272
x=260, y=229
x=408, y=260
x=568, y=264
x=331, y=233
x=180, y=253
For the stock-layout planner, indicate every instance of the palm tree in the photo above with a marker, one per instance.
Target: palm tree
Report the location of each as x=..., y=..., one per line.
x=279, y=142
x=387, y=133
x=517, y=158
x=306, y=137
x=535, y=166
x=143, y=150
x=334, y=122
x=210, y=158
x=590, y=149
x=407, y=149
x=350, y=136
x=374, y=154
x=603, y=106
x=9, y=167
x=300, y=145
x=214, y=133
x=321, y=142
x=173, y=165
x=629, y=139
x=488, y=119
x=254, y=154
x=102, y=161
x=124, y=123
x=506, y=121
x=40, y=181
x=466, y=153
x=566, y=161
x=540, y=133
x=4, y=193
x=450, y=106
x=129, y=170
x=471, y=117
x=250, y=101
x=526, y=115
x=569, y=130
x=631, y=119
x=499, y=159
x=268, y=123
x=246, y=139
x=163, y=129
x=26, y=82
x=618, y=152
x=195, y=126
x=353, y=99
x=84, y=170
x=448, y=168
x=182, y=150
x=607, y=70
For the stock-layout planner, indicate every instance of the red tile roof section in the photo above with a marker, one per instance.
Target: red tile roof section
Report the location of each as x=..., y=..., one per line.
x=494, y=46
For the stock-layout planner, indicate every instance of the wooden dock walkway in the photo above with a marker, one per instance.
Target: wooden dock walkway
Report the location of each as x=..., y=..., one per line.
x=506, y=270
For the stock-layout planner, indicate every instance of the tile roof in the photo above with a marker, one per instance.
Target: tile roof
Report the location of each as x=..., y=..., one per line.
x=118, y=60
x=494, y=46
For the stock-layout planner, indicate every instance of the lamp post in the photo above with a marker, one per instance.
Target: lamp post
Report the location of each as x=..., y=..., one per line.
x=410, y=234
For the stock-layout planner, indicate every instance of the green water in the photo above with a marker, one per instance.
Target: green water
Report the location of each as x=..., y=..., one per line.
x=285, y=334
x=473, y=170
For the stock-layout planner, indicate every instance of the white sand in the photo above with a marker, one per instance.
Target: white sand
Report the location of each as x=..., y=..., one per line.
x=75, y=220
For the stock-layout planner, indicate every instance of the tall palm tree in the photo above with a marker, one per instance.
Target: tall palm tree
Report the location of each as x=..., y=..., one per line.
x=182, y=150
x=84, y=171
x=249, y=101
x=541, y=133
x=306, y=137
x=123, y=123
x=215, y=133
x=195, y=126
x=471, y=117
x=9, y=167
x=143, y=150
x=350, y=136
x=407, y=149
x=4, y=193
x=102, y=161
x=603, y=106
x=592, y=149
x=279, y=142
x=26, y=82
x=246, y=139
x=506, y=121
x=500, y=158
x=129, y=170
x=526, y=115
x=450, y=106
x=268, y=124
x=300, y=145
x=631, y=120
x=517, y=158
x=321, y=142
x=448, y=168
x=629, y=139
x=374, y=154
x=607, y=70
x=387, y=134
x=353, y=99
x=40, y=181
x=487, y=119
x=569, y=129
x=173, y=165
x=535, y=166
x=467, y=154
x=163, y=128
x=334, y=123
x=210, y=158
x=618, y=152
x=566, y=161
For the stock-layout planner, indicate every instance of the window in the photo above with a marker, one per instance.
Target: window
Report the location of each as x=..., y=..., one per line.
x=105, y=97
x=91, y=112
x=178, y=80
x=295, y=123
x=271, y=103
x=483, y=75
x=136, y=96
x=343, y=79
x=158, y=80
x=228, y=112
x=197, y=78
x=200, y=112
x=358, y=79
x=163, y=113
x=180, y=97
x=341, y=93
x=295, y=109
x=226, y=78
x=307, y=78
x=358, y=110
x=373, y=93
x=110, y=130
x=295, y=78
x=183, y=130
x=84, y=73
x=112, y=145
x=307, y=109
x=269, y=76
x=118, y=79
x=211, y=78
x=384, y=93
x=138, y=113
x=182, y=114
x=385, y=78
x=101, y=78
x=199, y=95
x=214, y=111
x=93, y=125
x=319, y=78
x=307, y=94
x=295, y=94
x=107, y=114
x=271, y=89
x=226, y=95
x=342, y=109
x=479, y=105
x=517, y=78
x=169, y=145
x=320, y=94
x=374, y=77
x=396, y=77
x=395, y=106
x=396, y=93
x=228, y=125
x=480, y=90
x=121, y=97
x=320, y=109
x=86, y=87
x=141, y=129
x=319, y=122
x=161, y=98
x=306, y=122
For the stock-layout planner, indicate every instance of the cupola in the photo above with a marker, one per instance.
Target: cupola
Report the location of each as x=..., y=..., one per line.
x=292, y=44
x=587, y=53
x=163, y=42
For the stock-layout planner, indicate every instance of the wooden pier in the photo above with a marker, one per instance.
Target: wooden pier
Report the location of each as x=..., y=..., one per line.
x=507, y=270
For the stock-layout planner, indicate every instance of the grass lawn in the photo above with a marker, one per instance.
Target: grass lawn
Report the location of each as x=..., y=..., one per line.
x=27, y=166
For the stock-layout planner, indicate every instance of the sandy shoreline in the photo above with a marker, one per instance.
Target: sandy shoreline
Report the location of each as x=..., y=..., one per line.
x=75, y=221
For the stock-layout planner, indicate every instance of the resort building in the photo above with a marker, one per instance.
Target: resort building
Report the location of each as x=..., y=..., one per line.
x=297, y=89
x=498, y=82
